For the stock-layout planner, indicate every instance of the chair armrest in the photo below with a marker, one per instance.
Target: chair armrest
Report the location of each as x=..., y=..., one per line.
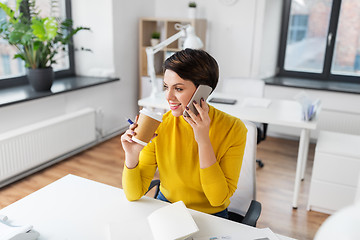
x=154, y=183
x=252, y=214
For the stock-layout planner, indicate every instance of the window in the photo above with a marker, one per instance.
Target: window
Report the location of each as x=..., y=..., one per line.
x=298, y=28
x=5, y=59
x=16, y=74
x=321, y=40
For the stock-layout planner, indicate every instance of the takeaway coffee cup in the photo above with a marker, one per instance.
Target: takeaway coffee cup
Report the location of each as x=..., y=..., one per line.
x=148, y=122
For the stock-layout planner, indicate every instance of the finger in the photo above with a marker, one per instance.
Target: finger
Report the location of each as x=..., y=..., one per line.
x=190, y=121
x=204, y=105
x=154, y=136
x=126, y=138
x=129, y=133
x=198, y=108
x=133, y=126
x=203, y=109
x=191, y=114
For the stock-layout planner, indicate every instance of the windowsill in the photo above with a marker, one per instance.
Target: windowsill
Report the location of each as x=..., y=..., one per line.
x=24, y=93
x=343, y=87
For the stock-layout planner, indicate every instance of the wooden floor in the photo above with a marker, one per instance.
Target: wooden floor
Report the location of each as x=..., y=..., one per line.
x=275, y=183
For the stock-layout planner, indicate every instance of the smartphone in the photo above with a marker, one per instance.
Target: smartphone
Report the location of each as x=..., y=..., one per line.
x=203, y=91
x=223, y=100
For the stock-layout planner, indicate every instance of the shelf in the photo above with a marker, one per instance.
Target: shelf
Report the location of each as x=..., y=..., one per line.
x=166, y=27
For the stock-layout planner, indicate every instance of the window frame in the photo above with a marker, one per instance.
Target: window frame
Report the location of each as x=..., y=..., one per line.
x=22, y=80
x=326, y=75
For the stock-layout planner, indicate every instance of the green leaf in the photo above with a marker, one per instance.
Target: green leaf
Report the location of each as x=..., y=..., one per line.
x=66, y=24
x=16, y=35
x=19, y=55
x=45, y=29
x=38, y=29
x=27, y=37
x=37, y=45
x=66, y=40
x=51, y=27
x=9, y=12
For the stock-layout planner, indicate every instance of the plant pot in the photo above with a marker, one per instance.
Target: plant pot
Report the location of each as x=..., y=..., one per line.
x=191, y=12
x=41, y=79
x=154, y=41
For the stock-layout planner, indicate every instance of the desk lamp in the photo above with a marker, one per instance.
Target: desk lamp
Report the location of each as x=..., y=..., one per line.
x=191, y=41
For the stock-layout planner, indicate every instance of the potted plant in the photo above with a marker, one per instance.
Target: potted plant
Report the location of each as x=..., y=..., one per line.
x=192, y=10
x=155, y=38
x=37, y=39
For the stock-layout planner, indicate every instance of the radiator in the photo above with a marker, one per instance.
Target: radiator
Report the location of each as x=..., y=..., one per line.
x=30, y=146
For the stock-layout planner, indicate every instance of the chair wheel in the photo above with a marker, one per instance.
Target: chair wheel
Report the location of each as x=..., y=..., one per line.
x=260, y=163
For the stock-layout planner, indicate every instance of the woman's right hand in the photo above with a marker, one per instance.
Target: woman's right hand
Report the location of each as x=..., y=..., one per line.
x=131, y=148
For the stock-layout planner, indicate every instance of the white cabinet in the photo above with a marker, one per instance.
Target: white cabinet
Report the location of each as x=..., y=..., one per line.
x=335, y=172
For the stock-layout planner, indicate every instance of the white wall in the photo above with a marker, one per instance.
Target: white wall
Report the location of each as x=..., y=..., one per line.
x=126, y=41
x=230, y=31
x=269, y=27
x=100, y=39
x=243, y=37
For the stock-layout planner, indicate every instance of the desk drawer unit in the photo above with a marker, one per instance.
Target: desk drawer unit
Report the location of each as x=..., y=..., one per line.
x=335, y=172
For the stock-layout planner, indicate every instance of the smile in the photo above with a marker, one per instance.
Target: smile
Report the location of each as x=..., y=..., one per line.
x=174, y=106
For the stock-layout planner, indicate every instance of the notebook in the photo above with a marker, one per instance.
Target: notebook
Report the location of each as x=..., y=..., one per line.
x=173, y=221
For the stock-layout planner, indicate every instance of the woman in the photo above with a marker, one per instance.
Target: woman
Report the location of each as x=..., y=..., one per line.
x=198, y=157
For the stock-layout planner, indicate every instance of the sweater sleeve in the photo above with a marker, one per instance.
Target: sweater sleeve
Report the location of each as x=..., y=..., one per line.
x=136, y=181
x=219, y=181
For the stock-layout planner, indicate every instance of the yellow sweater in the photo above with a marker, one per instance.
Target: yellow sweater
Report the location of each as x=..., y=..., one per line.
x=175, y=153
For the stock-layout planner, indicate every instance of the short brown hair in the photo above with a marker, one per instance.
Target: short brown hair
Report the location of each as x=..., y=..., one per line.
x=194, y=65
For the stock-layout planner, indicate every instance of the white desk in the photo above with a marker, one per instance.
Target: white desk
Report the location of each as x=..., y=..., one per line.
x=280, y=112
x=75, y=208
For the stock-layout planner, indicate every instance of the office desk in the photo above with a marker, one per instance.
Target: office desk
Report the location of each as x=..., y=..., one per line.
x=75, y=208
x=286, y=113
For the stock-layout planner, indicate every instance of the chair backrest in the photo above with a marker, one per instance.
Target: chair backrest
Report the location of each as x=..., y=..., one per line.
x=243, y=86
x=246, y=187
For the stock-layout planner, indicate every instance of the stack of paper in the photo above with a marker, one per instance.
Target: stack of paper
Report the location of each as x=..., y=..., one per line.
x=172, y=222
x=309, y=107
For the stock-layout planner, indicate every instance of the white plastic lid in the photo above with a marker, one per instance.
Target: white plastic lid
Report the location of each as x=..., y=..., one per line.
x=139, y=141
x=154, y=115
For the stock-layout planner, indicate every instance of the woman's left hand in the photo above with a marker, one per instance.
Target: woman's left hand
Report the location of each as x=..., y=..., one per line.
x=201, y=122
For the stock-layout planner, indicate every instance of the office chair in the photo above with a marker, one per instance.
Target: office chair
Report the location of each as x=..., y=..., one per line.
x=243, y=207
x=247, y=88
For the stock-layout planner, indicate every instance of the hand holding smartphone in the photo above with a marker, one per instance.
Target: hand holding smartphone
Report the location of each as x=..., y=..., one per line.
x=203, y=91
